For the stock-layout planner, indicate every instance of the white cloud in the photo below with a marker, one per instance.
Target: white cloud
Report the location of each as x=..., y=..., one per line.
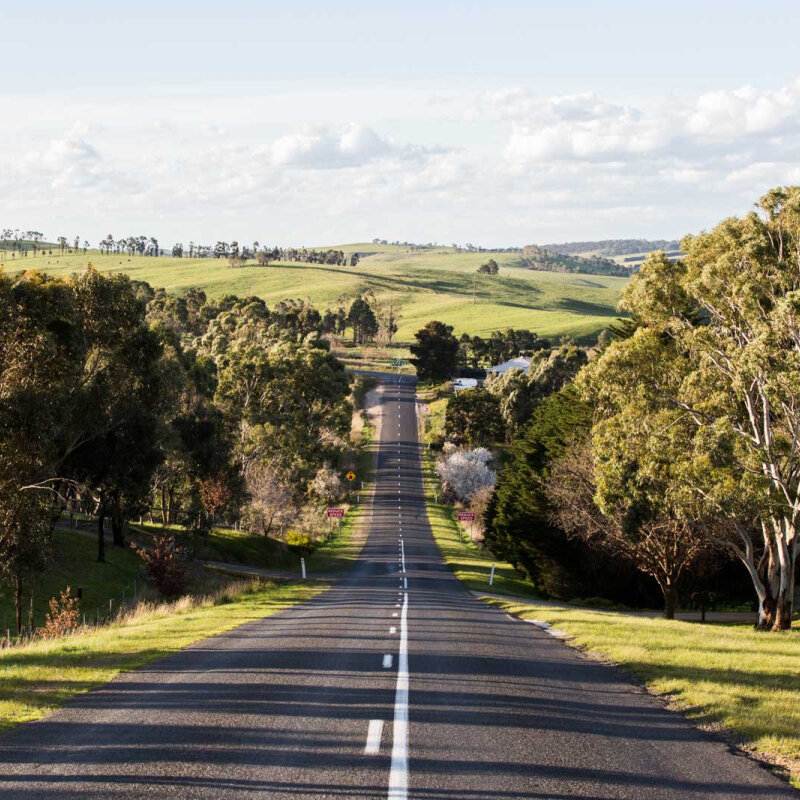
x=317, y=147
x=514, y=164
x=745, y=111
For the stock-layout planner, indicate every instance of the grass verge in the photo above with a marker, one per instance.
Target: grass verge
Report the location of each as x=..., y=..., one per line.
x=471, y=565
x=725, y=677
x=38, y=678
x=342, y=549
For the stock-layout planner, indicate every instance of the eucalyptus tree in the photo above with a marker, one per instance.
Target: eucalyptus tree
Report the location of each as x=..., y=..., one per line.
x=712, y=377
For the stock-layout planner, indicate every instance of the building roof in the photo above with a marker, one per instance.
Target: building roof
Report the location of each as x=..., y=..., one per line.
x=515, y=363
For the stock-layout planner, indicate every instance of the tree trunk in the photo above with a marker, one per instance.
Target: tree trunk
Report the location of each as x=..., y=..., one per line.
x=118, y=530
x=18, y=603
x=669, y=601
x=101, y=537
x=117, y=524
x=164, y=518
x=783, y=612
x=171, y=512
x=769, y=575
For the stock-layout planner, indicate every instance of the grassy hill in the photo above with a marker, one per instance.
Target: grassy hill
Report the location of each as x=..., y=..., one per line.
x=428, y=284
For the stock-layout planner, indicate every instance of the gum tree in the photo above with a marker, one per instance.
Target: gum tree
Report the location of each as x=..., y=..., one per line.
x=717, y=356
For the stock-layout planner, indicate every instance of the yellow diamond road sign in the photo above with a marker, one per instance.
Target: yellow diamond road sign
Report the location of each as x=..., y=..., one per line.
x=351, y=476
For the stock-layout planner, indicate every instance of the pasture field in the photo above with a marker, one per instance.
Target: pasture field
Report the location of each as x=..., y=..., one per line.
x=429, y=284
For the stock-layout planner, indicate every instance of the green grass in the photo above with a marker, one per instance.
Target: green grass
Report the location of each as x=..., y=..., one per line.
x=37, y=678
x=342, y=549
x=721, y=675
x=227, y=545
x=434, y=419
x=471, y=565
x=375, y=359
x=438, y=284
x=75, y=564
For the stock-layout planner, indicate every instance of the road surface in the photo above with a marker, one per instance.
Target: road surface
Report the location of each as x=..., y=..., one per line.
x=395, y=683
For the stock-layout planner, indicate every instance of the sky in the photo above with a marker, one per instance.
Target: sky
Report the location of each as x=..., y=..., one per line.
x=309, y=123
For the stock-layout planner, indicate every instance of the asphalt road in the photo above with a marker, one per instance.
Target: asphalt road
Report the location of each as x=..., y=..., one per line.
x=395, y=683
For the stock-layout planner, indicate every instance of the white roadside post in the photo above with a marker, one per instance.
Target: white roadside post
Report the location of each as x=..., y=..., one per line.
x=491, y=576
x=303, y=567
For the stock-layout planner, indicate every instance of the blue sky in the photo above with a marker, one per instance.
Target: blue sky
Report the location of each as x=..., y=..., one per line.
x=311, y=123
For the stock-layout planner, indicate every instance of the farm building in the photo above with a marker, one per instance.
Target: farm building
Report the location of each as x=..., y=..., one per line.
x=515, y=363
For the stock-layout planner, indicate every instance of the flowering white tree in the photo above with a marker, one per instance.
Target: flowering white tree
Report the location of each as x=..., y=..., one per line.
x=327, y=485
x=464, y=472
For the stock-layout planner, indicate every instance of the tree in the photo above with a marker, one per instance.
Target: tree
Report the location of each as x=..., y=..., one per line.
x=435, y=352
x=272, y=508
x=363, y=321
x=465, y=472
x=489, y=268
x=647, y=533
x=328, y=485
x=519, y=393
x=111, y=442
x=519, y=527
x=40, y=348
x=473, y=418
x=290, y=402
x=716, y=356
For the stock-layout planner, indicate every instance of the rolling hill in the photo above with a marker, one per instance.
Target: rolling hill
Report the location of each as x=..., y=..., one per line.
x=425, y=284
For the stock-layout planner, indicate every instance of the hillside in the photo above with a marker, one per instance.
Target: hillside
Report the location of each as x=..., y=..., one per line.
x=609, y=248
x=429, y=284
x=539, y=258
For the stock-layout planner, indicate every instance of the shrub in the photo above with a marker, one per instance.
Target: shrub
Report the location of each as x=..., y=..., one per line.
x=165, y=564
x=63, y=616
x=300, y=543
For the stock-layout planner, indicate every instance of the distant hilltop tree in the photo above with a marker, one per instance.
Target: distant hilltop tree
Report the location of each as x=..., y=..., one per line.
x=489, y=268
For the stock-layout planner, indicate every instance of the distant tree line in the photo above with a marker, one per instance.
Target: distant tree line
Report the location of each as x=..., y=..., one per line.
x=613, y=247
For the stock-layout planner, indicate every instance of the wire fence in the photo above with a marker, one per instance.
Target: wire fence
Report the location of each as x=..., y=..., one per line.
x=124, y=601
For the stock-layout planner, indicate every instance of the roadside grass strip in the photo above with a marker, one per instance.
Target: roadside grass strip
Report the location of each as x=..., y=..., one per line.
x=38, y=678
x=726, y=677
x=471, y=565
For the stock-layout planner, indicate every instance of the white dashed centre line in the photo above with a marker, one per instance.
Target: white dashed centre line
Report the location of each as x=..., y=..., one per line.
x=398, y=776
x=374, y=734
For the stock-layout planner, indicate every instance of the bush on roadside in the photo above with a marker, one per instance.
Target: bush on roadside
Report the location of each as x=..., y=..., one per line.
x=165, y=564
x=63, y=616
x=300, y=543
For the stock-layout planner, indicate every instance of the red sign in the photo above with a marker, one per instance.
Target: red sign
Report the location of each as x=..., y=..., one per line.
x=335, y=512
x=466, y=516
